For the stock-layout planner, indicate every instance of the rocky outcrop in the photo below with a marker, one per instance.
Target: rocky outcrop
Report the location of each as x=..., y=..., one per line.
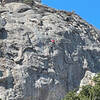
x=87, y=80
x=9, y=1
x=32, y=67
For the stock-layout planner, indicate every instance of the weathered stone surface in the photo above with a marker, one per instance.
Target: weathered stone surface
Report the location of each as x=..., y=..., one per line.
x=9, y=1
x=30, y=70
x=2, y=23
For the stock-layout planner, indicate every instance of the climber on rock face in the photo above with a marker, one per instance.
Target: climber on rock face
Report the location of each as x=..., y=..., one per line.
x=53, y=41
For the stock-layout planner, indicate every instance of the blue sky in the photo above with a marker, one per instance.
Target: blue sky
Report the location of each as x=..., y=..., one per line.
x=87, y=9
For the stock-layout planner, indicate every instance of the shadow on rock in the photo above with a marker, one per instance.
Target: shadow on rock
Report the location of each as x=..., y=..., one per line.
x=7, y=82
x=3, y=34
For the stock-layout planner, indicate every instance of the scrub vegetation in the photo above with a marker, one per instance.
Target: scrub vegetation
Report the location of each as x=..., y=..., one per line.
x=88, y=92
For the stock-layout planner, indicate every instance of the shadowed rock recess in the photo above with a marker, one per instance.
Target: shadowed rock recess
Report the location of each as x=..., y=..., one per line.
x=34, y=68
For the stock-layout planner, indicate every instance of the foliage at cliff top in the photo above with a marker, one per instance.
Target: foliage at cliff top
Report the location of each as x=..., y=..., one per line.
x=88, y=92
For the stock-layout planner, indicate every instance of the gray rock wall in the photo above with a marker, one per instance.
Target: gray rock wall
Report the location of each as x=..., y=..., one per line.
x=9, y=1
x=31, y=66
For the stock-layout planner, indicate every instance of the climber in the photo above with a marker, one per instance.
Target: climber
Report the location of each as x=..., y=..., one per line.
x=53, y=41
x=51, y=47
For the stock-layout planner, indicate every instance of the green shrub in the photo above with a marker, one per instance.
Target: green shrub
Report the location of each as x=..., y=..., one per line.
x=96, y=79
x=88, y=92
x=71, y=96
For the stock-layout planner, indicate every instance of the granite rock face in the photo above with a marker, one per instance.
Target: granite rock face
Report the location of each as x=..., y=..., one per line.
x=34, y=68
